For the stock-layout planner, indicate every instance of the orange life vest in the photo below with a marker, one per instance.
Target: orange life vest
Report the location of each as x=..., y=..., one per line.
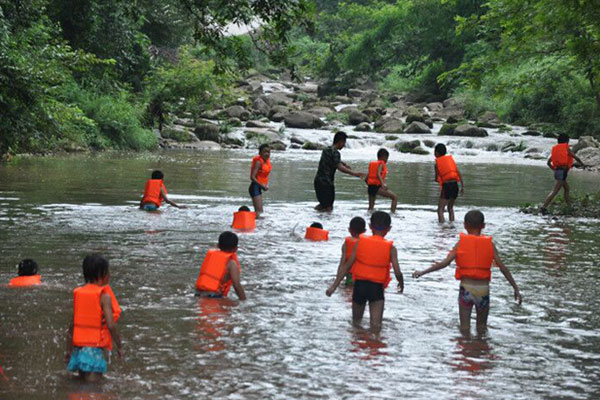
x=213, y=270
x=262, y=176
x=89, y=325
x=474, y=257
x=26, y=280
x=446, y=168
x=244, y=220
x=316, y=234
x=560, y=157
x=373, y=260
x=372, y=178
x=152, y=192
x=350, y=243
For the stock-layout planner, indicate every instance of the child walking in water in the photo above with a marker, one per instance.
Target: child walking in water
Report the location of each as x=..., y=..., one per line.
x=28, y=274
x=356, y=228
x=448, y=176
x=376, y=180
x=94, y=326
x=474, y=255
x=561, y=160
x=259, y=176
x=370, y=261
x=155, y=192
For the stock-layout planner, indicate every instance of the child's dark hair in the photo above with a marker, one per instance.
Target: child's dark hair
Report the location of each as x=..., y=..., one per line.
x=157, y=174
x=262, y=147
x=474, y=219
x=340, y=136
x=316, y=225
x=228, y=241
x=380, y=220
x=563, y=138
x=95, y=267
x=382, y=153
x=440, y=149
x=357, y=225
x=244, y=208
x=27, y=267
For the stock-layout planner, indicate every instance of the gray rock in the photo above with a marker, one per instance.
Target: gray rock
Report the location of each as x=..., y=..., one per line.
x=237, y=112
x=295, y=146
x=234, y=122
x=469, y=131
x=312, y=146
x=532, y=150
x=412, y=147
x=363, y=127
x=489, y=117
x=277, y=110
x=296, y=140
x=320, y=111
x=302, y=119
x=211, y=114
x=390, y=125
x=256, y=124
x=391, y=137
x=435, y=106
x=206, y=145
x=550, y=135
x=450, y=102
x=187, y=122
x=278, y=117
x=413, y=114
x=535, y=156
x=358, y=93
x=585, y=142
x=532, y=133
x=417, y=127
x=452, y=119
x=177, y=133
x=343, y=99
x=261, y=106
x=232, y=141
x=277, y=145
x=447, y=130
x=277, y=98
x=356, y=117
x=261, y=136
x=590, y=156
x=207, y=131
x=428, y=143
x=428, y=122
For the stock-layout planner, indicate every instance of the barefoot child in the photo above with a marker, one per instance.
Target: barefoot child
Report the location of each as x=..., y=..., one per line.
x=28, y=274
x=448, y=176
x=474, y=254
x=259, y=176
x=376, y=180
x=94, y=328
x=221, y=269
x=155, y=192
x=561, y=160
x=370, y=261
x=356, y=228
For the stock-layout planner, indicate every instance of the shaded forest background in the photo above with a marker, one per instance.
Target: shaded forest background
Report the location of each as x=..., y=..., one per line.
x=101, y=74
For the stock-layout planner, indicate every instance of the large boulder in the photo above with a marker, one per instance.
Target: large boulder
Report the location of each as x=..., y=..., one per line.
x=489, y=117
x=256, y=124
x=435, y=106
x=211, y=114
x=417, y=127
x=358, y=93
x=261, y=106
x=237, y=112
x=413, y=147
x=302, y=119
x=590, y=156
x=447, y=130
x=277, y=145
x=261, y=136
x=207, y=131
x=532, y=133
x=179, y=134
x=320, y=111
x=313, y=146
x=277, y=113
x=363, y=127
x=585, y=142
x=414, y=114
x=277, y=98
x=390, y=125
x=356, y=117
x=469, y=131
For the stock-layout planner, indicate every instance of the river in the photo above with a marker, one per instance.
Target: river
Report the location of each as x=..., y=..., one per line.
x=289, y=340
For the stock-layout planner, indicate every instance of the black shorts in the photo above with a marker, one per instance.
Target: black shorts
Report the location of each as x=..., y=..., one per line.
x=560, y=174
x=373, y=189
x=254, y=189
x=367, y=291
x=325, y=193
x=449, y=190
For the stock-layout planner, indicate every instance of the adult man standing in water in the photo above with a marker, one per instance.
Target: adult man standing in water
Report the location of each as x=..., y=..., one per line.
x=329, y=163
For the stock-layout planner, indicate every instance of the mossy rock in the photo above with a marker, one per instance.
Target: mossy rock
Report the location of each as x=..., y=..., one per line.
x=179, y=135
x=391, y=137
x=447, y=129
x=428, y=143
x=312, y=146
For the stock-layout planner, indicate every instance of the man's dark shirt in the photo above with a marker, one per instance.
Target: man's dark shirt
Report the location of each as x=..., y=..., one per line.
x=330, y=159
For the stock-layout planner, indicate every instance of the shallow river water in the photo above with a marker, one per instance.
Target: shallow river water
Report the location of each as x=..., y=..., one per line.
x=289, y=340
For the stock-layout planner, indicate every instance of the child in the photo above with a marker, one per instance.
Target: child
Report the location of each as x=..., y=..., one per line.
x=356, y=228
x=316, y=233
x=259, y=176
x=244, y=219
x=376, y=180
x=474, y=254
x=155, y=192
x=221, y=269
x=28, y=274
x=447, y=175
x=561, y=160
x=95, y=314
x=370, y=261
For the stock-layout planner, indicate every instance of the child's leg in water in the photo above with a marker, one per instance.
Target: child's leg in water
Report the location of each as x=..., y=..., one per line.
x=464, y=314
x=440, y=211
x=371, y=202
x=451, y=210
x=90, y=376
x=358, y=311
x=482, y=316
x=376, y=315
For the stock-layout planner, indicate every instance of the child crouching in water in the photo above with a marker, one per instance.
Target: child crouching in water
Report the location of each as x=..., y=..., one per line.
x=94, y=328
x=356, y=228
x=370, y=261
x=474, y=254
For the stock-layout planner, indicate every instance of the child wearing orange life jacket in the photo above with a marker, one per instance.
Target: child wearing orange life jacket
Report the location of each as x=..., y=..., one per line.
x=244, y=219
x=155, y=192
x=259, y=176
x=370, y=262
x=474, y=255
x=448, y=176
x=316, y=233
x=356, y=228
x=95, y=314
x=561, y=160
x=221, y=269
x=376, y=180
x=28, y=274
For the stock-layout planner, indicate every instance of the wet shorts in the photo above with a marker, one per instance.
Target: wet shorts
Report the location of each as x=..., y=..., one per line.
x=478, y=296
x=373, y=189
x=149, y=207
x=210, y=295
x=87, y=359
x=449, y=190
x=560, y=174
x=366, y=291
x=255, y=189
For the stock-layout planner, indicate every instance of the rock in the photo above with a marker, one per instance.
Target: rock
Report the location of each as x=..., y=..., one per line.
x=232, y=141
x=413, y=114
x=307, y=87
x=277, y=98
x=277, y=145
x=302, y=119
x=532, y=133
x=296, y=140
x=417, y=127
x=312, y=146
x=450, y=102
x=489, y=117
x=492, y=147
x=343, y=99
x=447, y=130
x=358, y=93
x=261, y=106
x=590, y=156
x=187, y=122
x=469, y=131
x=206, y=145
x=320, y=111
x=585, y=142
x=428, y=143
x=211, y=114
x=356, y=117
x=412, y=147
x=428, y=122
x=452, y=119
x=261, y=136
x=532, y=150
x=278, y=110
x=535, y=156
x=372, y=113
x=332, y=87
x=177, y=133
x=237, y=112
x=363, y=127
x=391, y=137
x=550, y=135
x=207, y=131
x=435, y=106
x=512, y=147
x=234, y=122
x=390, y=125
x=257, y=124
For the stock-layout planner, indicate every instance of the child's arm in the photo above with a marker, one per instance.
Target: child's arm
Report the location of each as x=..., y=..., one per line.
x=507, y=275
x=379, y=171
x=341, y=264
x=435, y=173
x=342, y=272
x=549, y=163
x=438, y=265
x=105, y=302
x=396, y=266
x=342, y=167
x=576, y=158
x=462, y=182
x=69, y=349
x=253, y=174
x=166, y=199
x=234, y=273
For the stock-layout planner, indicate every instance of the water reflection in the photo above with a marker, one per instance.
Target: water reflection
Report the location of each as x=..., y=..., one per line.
x=212, y=324
x=367, y=344
x=556, y=245
x=472, y=354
